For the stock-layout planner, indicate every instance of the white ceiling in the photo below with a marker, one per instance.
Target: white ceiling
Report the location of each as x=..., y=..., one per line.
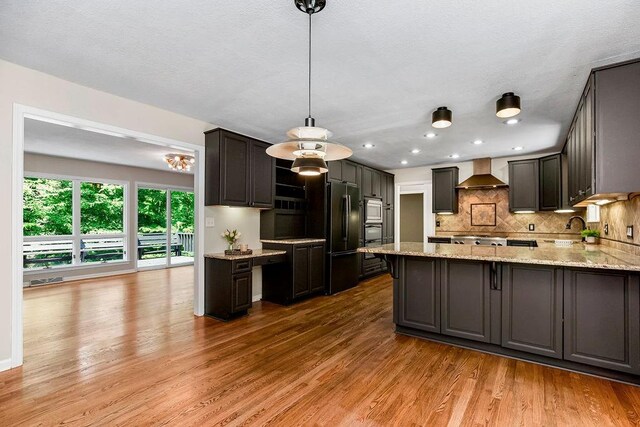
x=380, y=67
x=64, y=141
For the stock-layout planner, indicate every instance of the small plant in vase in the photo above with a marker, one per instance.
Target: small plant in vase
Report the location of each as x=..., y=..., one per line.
x=231, y=236
x=590, y=236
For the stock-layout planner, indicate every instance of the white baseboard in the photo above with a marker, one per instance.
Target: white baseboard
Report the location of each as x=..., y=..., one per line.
x=5, y=365
x=256, y=298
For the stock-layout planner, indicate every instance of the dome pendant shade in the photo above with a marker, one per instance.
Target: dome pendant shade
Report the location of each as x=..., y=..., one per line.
x=309, y=166
x=441, y=118
x=310, y=6
x=508, y=105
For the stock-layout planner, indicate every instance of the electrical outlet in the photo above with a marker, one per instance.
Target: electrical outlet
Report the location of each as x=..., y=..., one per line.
x=210, y=222
x=606, y=229
x=630, y=231
x=437, y=223
x=532, y=227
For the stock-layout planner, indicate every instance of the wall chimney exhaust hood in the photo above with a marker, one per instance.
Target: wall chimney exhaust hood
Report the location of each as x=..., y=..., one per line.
x=481, y=177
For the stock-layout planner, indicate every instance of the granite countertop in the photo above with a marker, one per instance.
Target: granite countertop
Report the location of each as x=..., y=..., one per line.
x=577, y=255
x=294, y=241
x=257, y=253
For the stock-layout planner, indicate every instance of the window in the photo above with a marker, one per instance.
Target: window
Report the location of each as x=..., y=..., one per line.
x=54, y=236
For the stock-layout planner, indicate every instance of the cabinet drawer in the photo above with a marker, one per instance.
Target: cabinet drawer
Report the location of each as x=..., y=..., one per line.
x=273, y=259
x=241, y=266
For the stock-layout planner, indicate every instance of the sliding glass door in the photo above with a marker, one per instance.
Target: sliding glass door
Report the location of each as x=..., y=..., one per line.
x=165, y=227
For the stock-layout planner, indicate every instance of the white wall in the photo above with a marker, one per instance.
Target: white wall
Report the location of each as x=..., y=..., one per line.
x=61, y=166
x=35, y=89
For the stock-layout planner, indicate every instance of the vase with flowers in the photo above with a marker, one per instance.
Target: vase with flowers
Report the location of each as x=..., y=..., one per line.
x=231, y=236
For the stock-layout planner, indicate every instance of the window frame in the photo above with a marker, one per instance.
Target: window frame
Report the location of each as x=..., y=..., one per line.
x=76, y=236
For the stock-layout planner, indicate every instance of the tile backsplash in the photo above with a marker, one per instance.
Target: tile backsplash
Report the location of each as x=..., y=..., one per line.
x=619, y=215
x=507, y=223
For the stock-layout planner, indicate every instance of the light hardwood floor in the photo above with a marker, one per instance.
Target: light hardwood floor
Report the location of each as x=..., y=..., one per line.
x=128, y=351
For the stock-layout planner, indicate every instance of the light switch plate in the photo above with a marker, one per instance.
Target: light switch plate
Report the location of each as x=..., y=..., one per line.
x=532, y=227
x=630, y=231
x=210, y=222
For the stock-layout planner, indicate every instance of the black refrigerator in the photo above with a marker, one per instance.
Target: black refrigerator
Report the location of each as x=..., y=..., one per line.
x=343, y=235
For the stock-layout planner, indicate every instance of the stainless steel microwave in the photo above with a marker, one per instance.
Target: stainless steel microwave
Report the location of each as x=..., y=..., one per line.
x=373, y=211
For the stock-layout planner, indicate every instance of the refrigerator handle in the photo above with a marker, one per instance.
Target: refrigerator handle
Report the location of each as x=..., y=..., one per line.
x=346, y=218
x=345, y=222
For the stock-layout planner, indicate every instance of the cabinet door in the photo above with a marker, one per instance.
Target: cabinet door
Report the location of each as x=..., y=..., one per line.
x=551, y=183
x=349, y=172
x=601, y=319
x=532, y=309
x=335, y=171
x=390, y=193
x=367, y=182
x=234, y=169
x=445, y=195
x=387, y=224
x=572, y=186
x=376, y=184
x=300, y=271
x=588, y=129
x=418, y=303
x=524, y=184
x=262, y=176
x=316, y=268
x=241, y=292
x=466, y=311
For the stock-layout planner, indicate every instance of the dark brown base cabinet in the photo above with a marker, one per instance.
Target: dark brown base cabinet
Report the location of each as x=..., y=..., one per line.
x=602, y=324
x=582, y=319
x=301, y=276
x=228, y=286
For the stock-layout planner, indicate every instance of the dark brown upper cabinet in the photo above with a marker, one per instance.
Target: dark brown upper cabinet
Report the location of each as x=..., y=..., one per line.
x=524, y=185
x=551, y=183
x=371, y=183
x=602, y=144
x=342, y=171
x=238, y=171
x=445, y=195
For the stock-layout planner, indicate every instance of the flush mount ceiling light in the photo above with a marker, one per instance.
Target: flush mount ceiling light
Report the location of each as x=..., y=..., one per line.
x=179, y=162
x=441, y=118
x=508, y=105
x=308, y=146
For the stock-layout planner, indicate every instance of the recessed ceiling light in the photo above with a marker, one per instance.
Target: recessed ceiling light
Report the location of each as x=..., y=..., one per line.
x=404, y=162
x=478, y=142
x=415, y=151
x=454, y=156
x=431, y=135
x=512, y=122
x=518, y=148
x=368, y=145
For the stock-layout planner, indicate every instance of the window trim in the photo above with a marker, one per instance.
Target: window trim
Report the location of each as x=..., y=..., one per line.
x=76, y=237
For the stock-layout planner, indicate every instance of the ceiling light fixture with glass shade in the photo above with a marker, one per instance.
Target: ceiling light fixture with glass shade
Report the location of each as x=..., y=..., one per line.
x=180, y=162
x=508, y=105
x=309, y=146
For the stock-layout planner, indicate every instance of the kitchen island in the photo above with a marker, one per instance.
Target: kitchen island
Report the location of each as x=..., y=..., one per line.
x=574, y=307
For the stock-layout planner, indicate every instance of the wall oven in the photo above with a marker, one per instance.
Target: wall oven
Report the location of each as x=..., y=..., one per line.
x=373, y=211
x=372, y=237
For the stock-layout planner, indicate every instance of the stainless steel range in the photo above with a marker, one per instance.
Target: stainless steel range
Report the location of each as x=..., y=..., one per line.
x=479, y=240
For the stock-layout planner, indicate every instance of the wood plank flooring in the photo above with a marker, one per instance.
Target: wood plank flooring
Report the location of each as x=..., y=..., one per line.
x=128, y=351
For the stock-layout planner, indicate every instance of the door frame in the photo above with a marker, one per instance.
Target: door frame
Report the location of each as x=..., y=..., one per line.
x=415, y=187
x=20, y=113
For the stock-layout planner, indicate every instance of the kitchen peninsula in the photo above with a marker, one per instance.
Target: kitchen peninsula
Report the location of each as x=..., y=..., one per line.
x=572, y=307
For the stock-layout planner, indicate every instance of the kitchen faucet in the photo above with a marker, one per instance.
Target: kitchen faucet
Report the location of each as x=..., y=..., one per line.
x=584, y=224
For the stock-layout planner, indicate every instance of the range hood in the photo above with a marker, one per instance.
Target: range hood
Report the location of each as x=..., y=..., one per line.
x=481, y=177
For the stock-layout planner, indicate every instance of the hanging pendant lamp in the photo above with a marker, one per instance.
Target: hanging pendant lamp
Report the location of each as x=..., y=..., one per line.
x=309, y=145
x=508, y=105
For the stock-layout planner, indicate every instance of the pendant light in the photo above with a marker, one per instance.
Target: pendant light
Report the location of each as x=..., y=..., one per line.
x=508, y=105
x=441, y=118
x=309, y=146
